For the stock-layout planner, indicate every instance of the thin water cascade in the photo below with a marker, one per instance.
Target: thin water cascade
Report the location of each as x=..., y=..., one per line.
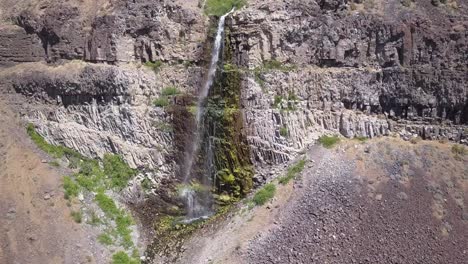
x=198, y=198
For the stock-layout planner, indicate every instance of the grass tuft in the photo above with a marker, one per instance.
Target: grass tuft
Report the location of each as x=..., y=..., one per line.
x=292, y=172
x=459, y=150
x=122, y=258
x=170, y=91
x=329, y=141
x=105, y=239
x=77, y=216
x=155, y=66
x=161, y=102
x=71, y=188
x=264, y=194
x=221, y=7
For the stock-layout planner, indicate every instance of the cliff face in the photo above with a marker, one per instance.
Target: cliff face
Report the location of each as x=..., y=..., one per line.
x=308, y=67
x=358, y=69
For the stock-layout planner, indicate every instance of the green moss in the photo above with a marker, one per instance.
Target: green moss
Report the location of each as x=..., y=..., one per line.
x=231, y=152
x=122, y=258
x=221, y=7
x=265, y=194
x=292, y=172
x=329, y=141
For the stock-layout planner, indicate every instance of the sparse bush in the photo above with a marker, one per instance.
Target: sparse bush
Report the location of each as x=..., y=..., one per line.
x=264, y=194
x=155, y=66
x=71, y=188
x=221, y=7
x=459, y=150
x=292, y=172
x=361, y=139
x=284, y=131
x=278, y=100
x=169, y=91
x=105, y=239
x=329, y=141
x=54, y=163
x=117, y=170
x=122, y=258
x=107, y=205
x=77, y=216
x=161, y=102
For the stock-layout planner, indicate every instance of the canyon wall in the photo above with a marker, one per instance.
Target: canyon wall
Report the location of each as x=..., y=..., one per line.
x=89, y=72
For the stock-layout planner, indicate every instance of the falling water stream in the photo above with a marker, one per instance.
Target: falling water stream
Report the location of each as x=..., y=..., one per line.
x=198, y=200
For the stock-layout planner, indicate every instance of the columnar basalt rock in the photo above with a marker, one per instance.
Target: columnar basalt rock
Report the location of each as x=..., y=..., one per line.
x=339, y=67
x=358, y=73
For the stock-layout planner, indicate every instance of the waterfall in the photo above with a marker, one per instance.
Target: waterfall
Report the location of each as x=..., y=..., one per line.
x=197, y=202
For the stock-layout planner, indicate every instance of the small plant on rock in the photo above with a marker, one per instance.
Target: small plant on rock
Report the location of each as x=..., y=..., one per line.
x=264, y=194
x=329, y=141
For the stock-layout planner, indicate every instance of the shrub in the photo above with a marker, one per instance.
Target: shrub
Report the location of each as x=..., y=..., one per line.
x=221, y=7
x=107, y=205
x=77, y=216
x=264, y=194
x=328, y=141
x=278, y=100
x=292, y=172
x=123, y=223
x=71, y=188
x=117, y=170
x=161, y=102
x=155, y=66
x=105, y=239
x=360, y=138
x=54, y=163
x=122, y=258
x=459, y=150
x=284, y=131
x=170, y=90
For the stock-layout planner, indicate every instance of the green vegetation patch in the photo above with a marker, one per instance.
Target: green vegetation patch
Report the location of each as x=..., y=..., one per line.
x=122, y=258
x=77, y=216
x=105, y=239
x=293, y=171
x=155, y=66
x=92, y=177
x=284, y=131
x=265, y=194
x=161, y=102
x=329, y=141
x=54, y=151
x=117, y=170
x=170, y=91
x=71, y=188
x=459, y=150
x=221, y=7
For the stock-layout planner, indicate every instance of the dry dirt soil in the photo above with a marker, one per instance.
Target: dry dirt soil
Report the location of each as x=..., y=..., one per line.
x=35, y=221
x=381, y=201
